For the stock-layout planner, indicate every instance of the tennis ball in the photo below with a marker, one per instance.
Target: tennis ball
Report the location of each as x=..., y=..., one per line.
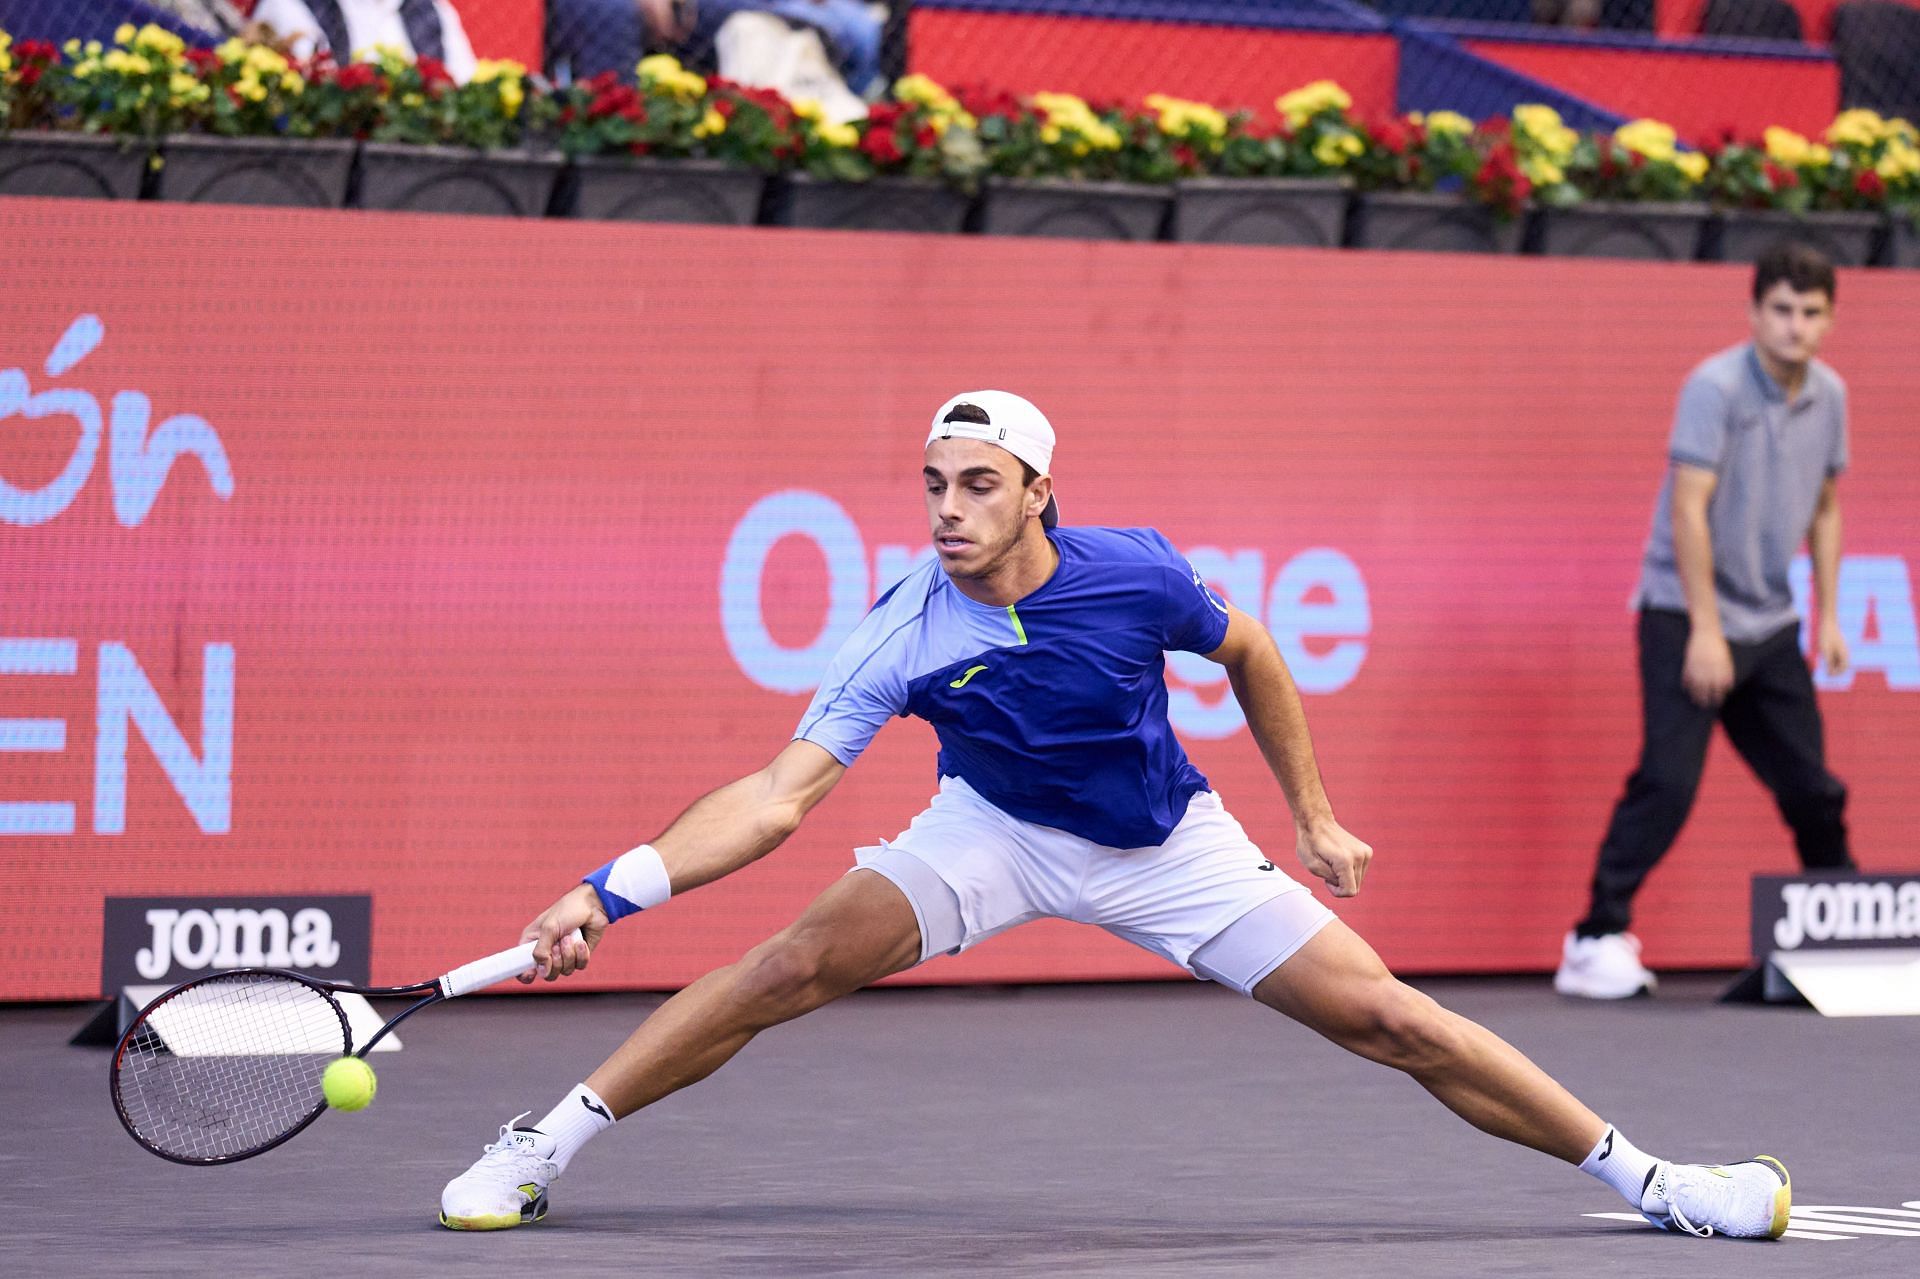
x=348, y=1084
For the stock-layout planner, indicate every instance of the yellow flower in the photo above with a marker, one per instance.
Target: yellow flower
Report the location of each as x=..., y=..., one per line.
x=924, y=90
x=511, y=96
x=125, y=63
x=1649, y=138
x=1902, y=130
x=1692, y=163
x=489, y=69
x=1334, y=149
x=1063, y=109
x=124, y=33
x=1784, y=146
x=233, y=49
x=711, y=123
x=1818, y=156
x=1902, y=160
x=1541, y=171
x=291, y=82
x=157, y=39
x=658, y=66
x=1179, y=117
x=185, y=88
x=809, y=109
x=837, y=135
x=1544, y=126
x=1308, y=101
x=1858, y=127
x=1447, y=123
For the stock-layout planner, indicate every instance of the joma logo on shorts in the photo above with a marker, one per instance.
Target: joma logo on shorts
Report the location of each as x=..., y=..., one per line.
x=1844, y=911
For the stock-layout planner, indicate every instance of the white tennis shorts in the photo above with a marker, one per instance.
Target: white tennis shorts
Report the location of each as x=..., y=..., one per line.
x=1208, y=899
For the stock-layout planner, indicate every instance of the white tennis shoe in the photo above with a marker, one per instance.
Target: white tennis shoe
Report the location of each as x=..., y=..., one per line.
x=1751, y=1200
x=1606, y=967
x=507, y=1185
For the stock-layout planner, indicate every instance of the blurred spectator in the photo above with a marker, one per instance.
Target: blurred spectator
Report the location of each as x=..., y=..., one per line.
x=1595, y=15
x=219, y=17
x=346, y=28
x=586, y=38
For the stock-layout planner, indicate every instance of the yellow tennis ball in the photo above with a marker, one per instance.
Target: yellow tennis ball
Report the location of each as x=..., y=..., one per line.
x=348, y=1084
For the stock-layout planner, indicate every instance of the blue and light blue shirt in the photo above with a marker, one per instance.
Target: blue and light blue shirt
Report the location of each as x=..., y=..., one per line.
x=1053, y=709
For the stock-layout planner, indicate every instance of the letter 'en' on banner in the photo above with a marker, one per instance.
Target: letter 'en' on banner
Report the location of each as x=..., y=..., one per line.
x=1848, y=944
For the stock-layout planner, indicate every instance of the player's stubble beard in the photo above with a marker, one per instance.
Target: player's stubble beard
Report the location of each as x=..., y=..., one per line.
x=997, y=552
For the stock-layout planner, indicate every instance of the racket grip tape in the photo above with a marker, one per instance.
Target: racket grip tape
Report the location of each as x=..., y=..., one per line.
x=482, y=973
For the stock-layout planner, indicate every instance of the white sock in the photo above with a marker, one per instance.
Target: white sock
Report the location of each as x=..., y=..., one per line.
x=579, y=1118
x=1620, y=1164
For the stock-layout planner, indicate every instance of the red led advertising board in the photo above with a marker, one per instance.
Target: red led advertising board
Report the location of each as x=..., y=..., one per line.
x=437, y=560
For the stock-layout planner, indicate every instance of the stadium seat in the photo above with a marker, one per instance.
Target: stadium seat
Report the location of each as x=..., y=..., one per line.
x=1877, y=44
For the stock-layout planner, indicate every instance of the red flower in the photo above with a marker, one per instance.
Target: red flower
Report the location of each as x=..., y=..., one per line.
x=881, y=147
x=1870, y=185
x=203, y=59
x=1390, y=134
x=1636, y=161
x=925, y=138
x=433, y=72
x=883, y=114
x=638, y=148
x=1778, y=178
x=726, y=107
x=1186, y=157
x=29, y=74
x=357, y=75
x=37, y=50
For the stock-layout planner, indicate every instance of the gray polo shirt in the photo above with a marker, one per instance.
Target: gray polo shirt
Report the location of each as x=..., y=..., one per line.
x=1771, y=457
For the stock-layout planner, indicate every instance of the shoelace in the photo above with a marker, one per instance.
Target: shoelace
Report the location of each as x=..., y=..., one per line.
x=507, y=1150
x=1677, y=1183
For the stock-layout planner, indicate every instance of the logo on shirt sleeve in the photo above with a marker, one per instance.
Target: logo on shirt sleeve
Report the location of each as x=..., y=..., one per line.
x=963, y=681
x=1207, y=591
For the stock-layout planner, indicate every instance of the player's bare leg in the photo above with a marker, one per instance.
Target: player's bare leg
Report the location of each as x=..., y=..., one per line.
x=856, y=932
x=1338, y=986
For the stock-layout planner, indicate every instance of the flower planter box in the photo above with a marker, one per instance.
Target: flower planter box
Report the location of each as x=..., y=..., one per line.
x=513, y=184
x=1298, y=211
x=1742, y=235
x=294, y=172
x=882, y=204
x=84, y=166
x=1073, y=210
x=633, y=189
x=1621, y=229
x=1431, y=223
x=1903, y=242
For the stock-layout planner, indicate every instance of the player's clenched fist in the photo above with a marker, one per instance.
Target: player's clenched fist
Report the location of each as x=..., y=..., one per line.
x=1331, y=853
x=555, y=949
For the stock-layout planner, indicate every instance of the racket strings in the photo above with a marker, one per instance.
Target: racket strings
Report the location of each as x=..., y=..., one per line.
x=229, y=1065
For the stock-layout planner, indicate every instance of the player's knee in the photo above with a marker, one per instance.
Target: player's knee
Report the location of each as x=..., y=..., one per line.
x=1410, y=1032
x=778, y=980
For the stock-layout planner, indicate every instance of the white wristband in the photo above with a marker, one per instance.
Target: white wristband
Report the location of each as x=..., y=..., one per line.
x=632, y=882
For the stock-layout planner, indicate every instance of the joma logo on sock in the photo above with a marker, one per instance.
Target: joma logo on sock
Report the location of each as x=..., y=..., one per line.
x=1843, y=910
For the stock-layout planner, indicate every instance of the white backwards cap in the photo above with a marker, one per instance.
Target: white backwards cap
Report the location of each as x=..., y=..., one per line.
x=1003, y=418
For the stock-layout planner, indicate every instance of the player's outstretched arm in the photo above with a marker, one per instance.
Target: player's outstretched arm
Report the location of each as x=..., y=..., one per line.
x=724, y=830
x=1267, y=696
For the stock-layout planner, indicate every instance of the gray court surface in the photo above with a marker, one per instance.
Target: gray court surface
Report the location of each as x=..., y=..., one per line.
x=1170, y=1130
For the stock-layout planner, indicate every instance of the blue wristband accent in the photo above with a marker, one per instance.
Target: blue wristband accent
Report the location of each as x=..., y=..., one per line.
x=616, y=906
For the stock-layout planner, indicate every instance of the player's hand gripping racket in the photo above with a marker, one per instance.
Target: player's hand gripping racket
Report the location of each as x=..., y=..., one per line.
x=228, y=1066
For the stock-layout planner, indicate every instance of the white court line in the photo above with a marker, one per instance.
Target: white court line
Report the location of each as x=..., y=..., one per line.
x=1792, y=1232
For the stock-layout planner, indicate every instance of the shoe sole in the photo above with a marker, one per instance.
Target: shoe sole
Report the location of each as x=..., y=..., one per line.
x=1782, y=1198
x=497, y=1221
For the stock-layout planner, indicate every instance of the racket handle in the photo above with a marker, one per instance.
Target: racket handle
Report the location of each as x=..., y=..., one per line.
x=482, y=973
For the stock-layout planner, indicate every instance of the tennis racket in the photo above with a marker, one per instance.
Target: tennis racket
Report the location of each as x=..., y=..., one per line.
x=228, y=1066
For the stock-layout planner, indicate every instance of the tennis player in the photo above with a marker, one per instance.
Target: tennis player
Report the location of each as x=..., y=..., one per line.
x=1036, y=652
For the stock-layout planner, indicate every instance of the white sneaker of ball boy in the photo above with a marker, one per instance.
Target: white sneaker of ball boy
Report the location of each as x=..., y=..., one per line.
x=1606, y=967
